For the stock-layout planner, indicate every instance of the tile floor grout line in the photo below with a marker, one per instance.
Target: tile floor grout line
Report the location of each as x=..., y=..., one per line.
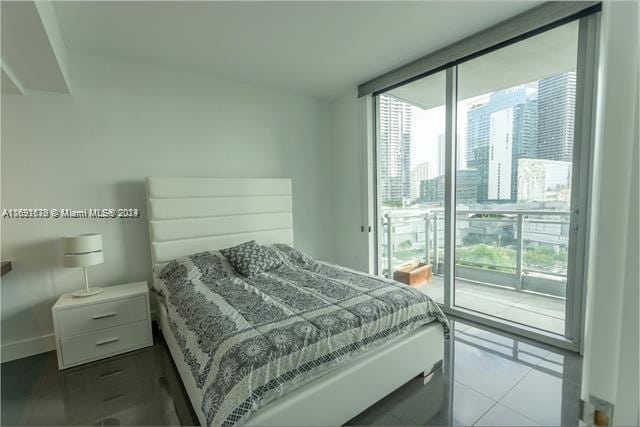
x=513, y=409
x=521, y=414
x=517, y=412
x=514, y=386
x=473, y=389
x=485, y=413
x=562, y=376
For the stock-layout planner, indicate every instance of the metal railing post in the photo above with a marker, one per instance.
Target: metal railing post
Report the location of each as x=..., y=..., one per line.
x=435, y=243
x=519, y=251
x=427, y=220
x=389, y=246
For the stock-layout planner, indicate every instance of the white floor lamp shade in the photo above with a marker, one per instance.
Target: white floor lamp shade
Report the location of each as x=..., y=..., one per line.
x=83, y=251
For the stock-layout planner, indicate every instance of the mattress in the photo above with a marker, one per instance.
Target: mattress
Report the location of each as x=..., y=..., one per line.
x=248, y=341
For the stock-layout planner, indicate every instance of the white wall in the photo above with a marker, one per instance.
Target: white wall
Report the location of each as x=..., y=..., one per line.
x=349, y=205
x=125, y=121
x=610, y=370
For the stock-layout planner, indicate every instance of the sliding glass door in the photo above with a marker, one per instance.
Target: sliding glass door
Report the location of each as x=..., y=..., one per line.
x=410, y=160
x=515, y=127
x=478, y=189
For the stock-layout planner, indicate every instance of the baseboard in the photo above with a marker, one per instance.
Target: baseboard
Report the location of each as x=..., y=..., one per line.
x=29, y=347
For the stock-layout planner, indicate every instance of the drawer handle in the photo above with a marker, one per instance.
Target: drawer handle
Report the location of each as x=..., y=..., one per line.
x=110, y=374
x=108, y=341
x=109, y=399
x=102, y=316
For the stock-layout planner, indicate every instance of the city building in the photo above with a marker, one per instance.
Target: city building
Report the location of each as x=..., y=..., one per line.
x=532, y=121
x=432, y=190
x=556, y=111
x=500, y=130
x=394, y=149
x=418, y=174
x=542, y=180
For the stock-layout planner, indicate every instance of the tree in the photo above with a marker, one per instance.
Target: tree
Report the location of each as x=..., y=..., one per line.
x=486, y=256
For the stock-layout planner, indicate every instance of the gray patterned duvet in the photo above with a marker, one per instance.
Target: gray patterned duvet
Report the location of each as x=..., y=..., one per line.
x=251, y=340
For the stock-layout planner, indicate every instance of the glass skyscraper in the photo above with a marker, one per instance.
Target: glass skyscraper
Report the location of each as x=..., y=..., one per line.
x=533, y=121
x=556, y=111
x=394, y=150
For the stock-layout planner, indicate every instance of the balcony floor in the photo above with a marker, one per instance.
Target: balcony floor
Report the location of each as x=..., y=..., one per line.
x=535, y=310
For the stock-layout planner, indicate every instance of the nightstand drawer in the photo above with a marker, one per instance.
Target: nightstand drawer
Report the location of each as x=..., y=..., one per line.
x=105, y=342
x=94, y=317
x=96, y=401
x=103, y=374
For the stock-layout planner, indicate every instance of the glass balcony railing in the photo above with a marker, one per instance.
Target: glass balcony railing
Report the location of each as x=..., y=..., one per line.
x=512, y=248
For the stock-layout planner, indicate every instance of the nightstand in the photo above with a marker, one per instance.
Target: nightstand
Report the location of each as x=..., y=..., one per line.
x=92, y=328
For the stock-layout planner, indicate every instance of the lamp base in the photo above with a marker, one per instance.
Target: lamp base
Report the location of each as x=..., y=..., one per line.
x=81, y=293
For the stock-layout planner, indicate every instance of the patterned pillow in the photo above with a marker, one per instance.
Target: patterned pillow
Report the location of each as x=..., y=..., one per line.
x=207, y=266
x=295, y=256
x=250, y=259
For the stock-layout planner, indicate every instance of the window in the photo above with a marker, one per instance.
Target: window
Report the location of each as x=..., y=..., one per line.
x=410, y=188
x=517, y=103
x=499, y=244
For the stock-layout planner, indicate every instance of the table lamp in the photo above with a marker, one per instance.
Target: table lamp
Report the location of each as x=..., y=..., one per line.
x=83, y=251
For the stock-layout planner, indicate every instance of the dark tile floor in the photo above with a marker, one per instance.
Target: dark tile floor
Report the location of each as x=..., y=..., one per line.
x=488, y=378
x=138, y=388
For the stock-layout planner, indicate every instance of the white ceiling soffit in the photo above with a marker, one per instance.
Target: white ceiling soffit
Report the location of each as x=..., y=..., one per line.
x=32, y=46
x=546, y=54
x=320, y=49
x=9, y=82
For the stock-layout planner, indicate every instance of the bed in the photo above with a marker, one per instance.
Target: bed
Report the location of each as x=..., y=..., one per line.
x=192, y=215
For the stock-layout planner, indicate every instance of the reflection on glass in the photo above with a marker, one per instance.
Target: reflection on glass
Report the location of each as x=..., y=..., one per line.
x=410, y=187
x=513, y=179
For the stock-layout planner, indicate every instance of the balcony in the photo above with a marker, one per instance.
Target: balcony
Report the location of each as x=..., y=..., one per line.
x=509, y=264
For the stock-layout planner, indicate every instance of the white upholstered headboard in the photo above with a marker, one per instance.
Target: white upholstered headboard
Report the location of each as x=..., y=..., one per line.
x=189, y=215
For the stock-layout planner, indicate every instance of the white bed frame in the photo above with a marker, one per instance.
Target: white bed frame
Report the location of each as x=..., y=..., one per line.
x=188, y=215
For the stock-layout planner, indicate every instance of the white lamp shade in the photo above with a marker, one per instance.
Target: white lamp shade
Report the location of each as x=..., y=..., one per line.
x=83, y=244
x=83, y=260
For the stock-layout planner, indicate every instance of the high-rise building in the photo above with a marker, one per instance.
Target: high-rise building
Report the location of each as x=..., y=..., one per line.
x=533, y=121
x=500, y=130
x=432, y=190
x=556, y=113
x=394, y=149
x=418, y=174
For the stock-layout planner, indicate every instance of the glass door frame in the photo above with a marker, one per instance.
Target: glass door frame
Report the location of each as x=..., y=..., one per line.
x=582, y=178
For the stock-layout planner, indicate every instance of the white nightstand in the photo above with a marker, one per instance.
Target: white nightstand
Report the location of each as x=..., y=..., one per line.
x=103, y=325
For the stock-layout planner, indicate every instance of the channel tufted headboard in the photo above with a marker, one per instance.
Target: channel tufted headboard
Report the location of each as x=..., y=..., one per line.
x=189, y=215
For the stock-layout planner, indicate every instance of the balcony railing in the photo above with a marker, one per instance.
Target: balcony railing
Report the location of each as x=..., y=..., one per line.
x=514, y=248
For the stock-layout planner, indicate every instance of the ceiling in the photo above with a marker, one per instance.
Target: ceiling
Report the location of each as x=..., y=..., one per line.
x=529, y=60
x=319, y=49
x=33, y=53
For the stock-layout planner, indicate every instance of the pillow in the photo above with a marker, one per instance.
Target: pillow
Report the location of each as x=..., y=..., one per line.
x=211, y=265
x=250, y=259
x=206, y=266
x=295, y=256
